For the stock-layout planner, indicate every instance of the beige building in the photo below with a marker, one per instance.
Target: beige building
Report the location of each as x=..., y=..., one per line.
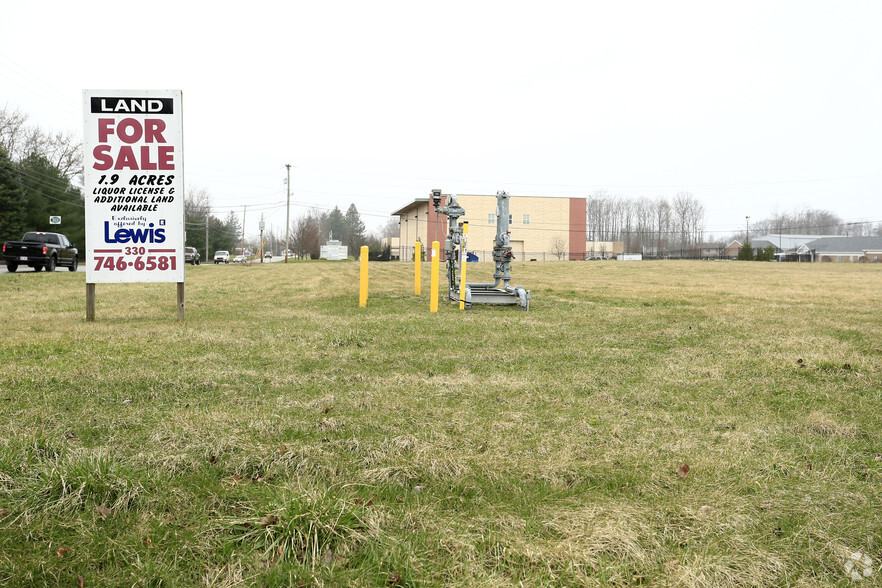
x=394, y=245
x=542, y=228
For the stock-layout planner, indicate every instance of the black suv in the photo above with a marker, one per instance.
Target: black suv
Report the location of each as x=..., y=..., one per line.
x=191, y=255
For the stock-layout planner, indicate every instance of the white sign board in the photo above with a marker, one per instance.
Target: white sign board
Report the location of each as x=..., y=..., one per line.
x=134, y=186
x=54, y=220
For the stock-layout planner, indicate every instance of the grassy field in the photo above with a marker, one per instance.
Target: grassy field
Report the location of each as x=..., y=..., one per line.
x=654, y=423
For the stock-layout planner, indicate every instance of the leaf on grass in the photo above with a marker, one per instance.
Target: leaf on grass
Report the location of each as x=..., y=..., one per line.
x=268, y=520
x=103, y=512
x=283, y=449
x=671, y=565
x=395, y=579
x=61, y=552
x=4, y=512
x=328, y=557
x=212, y=459
x=148, y=542
x=683, y=470
x=327, y=409
x=80, y=581
x=361, y=501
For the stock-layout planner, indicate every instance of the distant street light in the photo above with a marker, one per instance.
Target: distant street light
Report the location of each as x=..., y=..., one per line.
x=287, y=211
x=747, y=238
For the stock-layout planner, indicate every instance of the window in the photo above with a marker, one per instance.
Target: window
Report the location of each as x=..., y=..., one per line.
x=491, y=218
x=526, y=219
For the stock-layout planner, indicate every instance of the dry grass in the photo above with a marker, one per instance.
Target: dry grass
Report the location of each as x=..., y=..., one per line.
x=283, y=436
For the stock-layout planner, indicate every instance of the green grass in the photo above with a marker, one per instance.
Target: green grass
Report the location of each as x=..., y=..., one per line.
x=283, y=436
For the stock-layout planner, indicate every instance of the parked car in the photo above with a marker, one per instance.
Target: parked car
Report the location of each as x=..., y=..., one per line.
x=41, y=250
x=221, y=257
x=240, y=259
x=268, y=255
x=191, y=255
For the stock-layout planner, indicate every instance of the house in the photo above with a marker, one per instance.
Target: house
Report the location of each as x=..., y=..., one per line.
x=730, y=251
x=542, y=228
x=822, y=248
x=846, y=249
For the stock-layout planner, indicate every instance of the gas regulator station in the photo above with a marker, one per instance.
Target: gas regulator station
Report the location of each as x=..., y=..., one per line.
x=500, y=291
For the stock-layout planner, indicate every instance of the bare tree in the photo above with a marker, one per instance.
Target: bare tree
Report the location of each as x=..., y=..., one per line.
x=62, y=150
x=663, y=225
x=389, y=228
x=559, y=247
x=805, y=221
x=197, y=204
x=11, y=130
x=307, y=236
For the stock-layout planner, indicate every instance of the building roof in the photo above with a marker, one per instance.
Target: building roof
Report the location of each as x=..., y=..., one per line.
x=845, y=244
x=818, y=243
x=426, y=199
x=411, y=204
x=787, y=242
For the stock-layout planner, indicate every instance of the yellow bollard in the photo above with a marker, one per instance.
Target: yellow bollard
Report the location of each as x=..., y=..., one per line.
x=363, y=282
x=433, y=294
x=417, y=268
x=463, y=256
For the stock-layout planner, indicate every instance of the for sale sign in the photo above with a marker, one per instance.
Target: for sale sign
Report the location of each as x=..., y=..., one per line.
x=134, y=186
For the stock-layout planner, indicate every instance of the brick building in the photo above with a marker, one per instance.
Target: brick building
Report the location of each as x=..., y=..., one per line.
x=542, y=228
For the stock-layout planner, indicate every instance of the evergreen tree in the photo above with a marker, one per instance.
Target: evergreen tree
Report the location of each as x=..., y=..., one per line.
x=355, y=229
x=746, y=252
x=334, y=226
x=12, y=203
x=767, y=254
x=48, y=192
x=233, y=230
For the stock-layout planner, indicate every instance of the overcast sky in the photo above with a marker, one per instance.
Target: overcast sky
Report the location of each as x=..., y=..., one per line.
x=750, y=106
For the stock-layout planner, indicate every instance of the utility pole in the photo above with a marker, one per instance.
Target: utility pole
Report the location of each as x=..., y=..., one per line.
x=244, y=210
x=288, y=212
x=206, y=234
x=261, y=237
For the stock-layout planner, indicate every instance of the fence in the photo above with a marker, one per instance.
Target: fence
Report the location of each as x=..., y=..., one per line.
x=487, y=255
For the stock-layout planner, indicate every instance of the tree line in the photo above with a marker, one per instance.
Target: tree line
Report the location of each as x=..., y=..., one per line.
x=651, y=226
x=41, y=176
x=306, y=235
x=37, y=173
x=659, y=226
x=810, y=221
x=39, y=169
